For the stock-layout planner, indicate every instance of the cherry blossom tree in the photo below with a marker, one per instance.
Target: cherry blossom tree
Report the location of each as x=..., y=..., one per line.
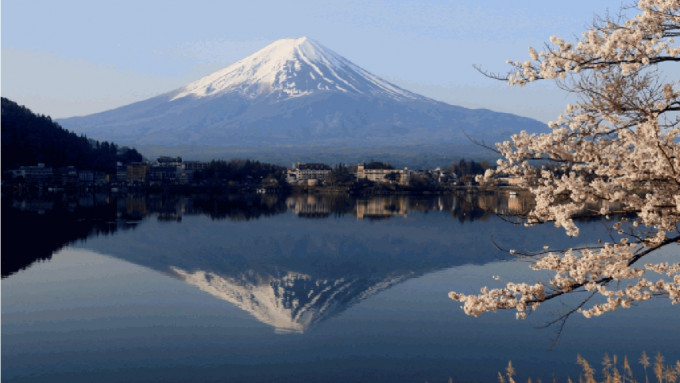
x=615, y=153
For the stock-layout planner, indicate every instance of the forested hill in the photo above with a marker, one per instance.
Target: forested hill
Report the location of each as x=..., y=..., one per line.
x=29, y=139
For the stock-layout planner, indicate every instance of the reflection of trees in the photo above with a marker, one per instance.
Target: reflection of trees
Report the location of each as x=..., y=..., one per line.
x=241, y=207
x=304, y=272
x=320, y=205
x=467, y=210
x=465, y=206
x=237, y=207
x=289, y=276
x=34, y=228
x=479, y=206
x=33, y=232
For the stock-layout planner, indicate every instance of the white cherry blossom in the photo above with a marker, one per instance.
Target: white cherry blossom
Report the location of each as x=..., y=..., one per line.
x=615, y=153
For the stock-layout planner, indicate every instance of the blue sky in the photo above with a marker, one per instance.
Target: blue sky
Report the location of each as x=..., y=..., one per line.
x=76, y=57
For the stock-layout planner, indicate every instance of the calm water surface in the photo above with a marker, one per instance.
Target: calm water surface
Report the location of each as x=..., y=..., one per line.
x=296, y=289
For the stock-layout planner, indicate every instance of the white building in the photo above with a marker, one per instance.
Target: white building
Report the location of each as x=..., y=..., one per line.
x=381, y=175
x=303, y=172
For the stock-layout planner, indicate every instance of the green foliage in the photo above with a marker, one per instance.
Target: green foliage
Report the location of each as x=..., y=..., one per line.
x=340, y=175
x=378, y=165
x=128, y=155
x=420, y=182
x=243, y=172
x=29, y=139
x=464, y=168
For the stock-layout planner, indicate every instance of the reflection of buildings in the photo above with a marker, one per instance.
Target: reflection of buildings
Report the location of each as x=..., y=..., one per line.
x=463, y=205
x=309, y=206
x=290, y=279
x=237, y=207
x=289, y=303
x=321, y=206
x=137, y=172
x=519, y=204
x=488, y=202
x=510, y=204
x=34, y=205
x=382, y=207
x=135, y=206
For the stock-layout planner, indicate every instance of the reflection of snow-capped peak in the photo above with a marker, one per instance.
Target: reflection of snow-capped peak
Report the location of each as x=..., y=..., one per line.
x=292, y=68
x=382, y=285
x=290, y=303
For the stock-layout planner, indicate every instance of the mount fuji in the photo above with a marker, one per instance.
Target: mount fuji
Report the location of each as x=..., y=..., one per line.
x=295, y=93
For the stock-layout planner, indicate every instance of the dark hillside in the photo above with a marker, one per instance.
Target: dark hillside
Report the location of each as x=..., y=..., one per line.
x=29, y=139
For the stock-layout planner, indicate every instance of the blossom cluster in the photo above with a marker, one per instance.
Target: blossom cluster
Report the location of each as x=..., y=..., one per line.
x=616, y=152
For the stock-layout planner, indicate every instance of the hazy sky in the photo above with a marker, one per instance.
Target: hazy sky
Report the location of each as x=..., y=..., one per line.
x=76, y=57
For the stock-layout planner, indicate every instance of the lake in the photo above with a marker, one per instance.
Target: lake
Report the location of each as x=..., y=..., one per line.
x=307, y=288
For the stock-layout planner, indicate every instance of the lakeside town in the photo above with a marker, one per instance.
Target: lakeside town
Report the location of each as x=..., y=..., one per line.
x=172, y=173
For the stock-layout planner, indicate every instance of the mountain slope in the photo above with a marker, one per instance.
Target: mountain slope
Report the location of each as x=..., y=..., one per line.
x=291, y=93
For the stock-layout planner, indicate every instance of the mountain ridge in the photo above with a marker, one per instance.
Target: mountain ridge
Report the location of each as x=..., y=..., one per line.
x=295, y=93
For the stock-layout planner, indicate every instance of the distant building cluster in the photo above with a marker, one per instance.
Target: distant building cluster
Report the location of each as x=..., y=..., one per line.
x=174, y=171
x=310, y=174
x=166, y=170
x=60, y=177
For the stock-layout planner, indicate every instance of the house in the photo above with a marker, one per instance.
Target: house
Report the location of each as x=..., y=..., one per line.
x=188, y=168
x=383, y=174
x=169, y=161
x=308, y=173
x=39, y=174
x=137, y=172
x=121, y=173
x=66, y=176
x=194, y=165
x=163, y=173
x=86, y=177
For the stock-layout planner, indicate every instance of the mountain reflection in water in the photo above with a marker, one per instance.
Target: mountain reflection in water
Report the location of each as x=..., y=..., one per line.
x=262, y=254
x=154, y=288
x=61, y=219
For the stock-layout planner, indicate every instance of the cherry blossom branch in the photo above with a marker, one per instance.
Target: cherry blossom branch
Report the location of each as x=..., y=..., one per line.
x=616, y=151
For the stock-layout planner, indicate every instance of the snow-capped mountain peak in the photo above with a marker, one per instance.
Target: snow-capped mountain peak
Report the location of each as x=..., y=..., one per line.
x=293, y=95
x=292, y=68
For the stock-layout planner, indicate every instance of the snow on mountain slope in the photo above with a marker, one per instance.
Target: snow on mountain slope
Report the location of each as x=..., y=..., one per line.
x=291, y=68
x=290, y=303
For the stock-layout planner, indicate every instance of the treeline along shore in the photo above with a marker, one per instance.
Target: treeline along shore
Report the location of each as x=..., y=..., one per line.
x=38, y=155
